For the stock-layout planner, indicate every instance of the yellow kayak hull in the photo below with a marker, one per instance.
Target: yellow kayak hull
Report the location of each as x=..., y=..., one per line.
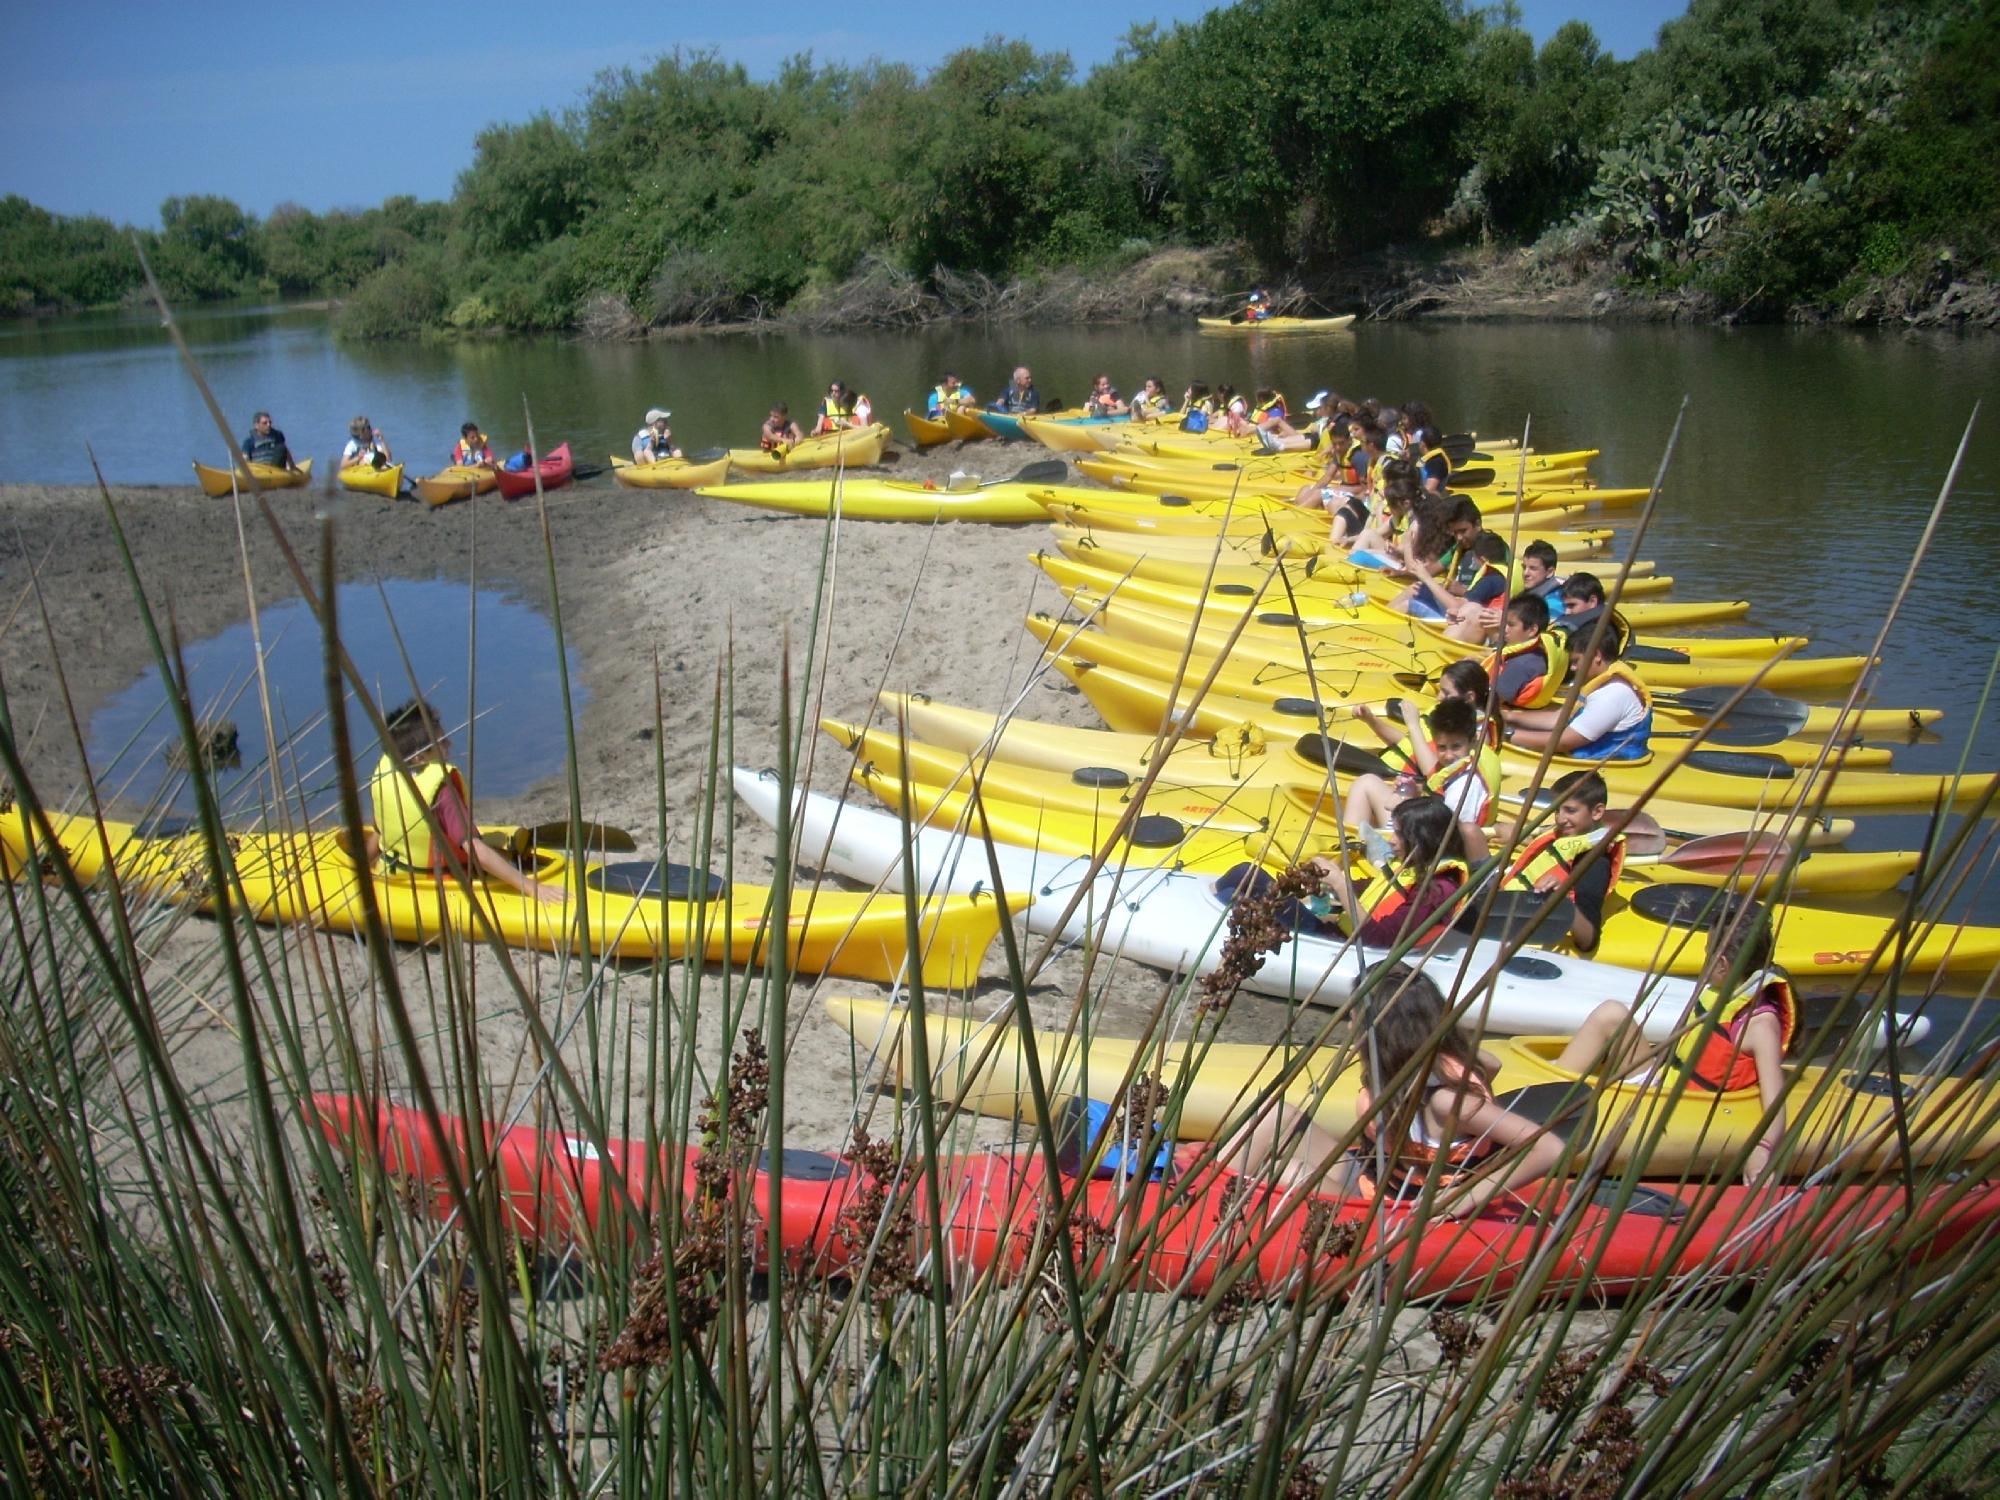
x=1002, y=502
x=1832, y=1116
x=1253, y=547
x=1059, y=436
x=1278, y=325
x=455, y=482
x=926, y=432
x=313, y=878
x=966, y=426
x=217, y=483
x=670, y=474
x=364, y=479
x=855, y=448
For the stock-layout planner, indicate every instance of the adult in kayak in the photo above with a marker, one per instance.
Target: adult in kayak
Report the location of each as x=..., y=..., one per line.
x=779, y=431
x=1445, y=754
x=1737, y=1030
x=266, y=445
x=422, y=814
x=841, y=409
x=1614, y=714
x=653, y=443
x=1563, y=851
x=1104, y=400
x=471, y=449
x=949, y=394
x=1152, y=403
x=366, y=444
x=1020, y=395
x=1448, y=1100
x=1258, y=308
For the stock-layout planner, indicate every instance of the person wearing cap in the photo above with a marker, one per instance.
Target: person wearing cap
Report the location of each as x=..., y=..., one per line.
x=654, y=443
x=1259, y=307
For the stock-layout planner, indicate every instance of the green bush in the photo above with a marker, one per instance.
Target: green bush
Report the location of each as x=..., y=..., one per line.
x=405, y=300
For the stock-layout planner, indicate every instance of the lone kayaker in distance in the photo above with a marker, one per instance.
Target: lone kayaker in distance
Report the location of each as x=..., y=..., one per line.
x=1259, y=306
x=654, y=443
x=471, y=449
x=1020, y=395
x=1613, y=717
x=421, y=814
x=949, y=394
x=365, y=445
x=266, y=445
x=779, y=432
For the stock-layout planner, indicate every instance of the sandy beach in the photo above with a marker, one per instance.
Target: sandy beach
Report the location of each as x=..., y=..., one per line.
x=657, y=591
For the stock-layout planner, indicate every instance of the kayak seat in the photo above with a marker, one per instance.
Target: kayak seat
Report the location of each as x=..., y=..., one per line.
x=1682, y=904
x=1516, y=915
x=1568, y=1109
x=1318, y=750
x=645, y=877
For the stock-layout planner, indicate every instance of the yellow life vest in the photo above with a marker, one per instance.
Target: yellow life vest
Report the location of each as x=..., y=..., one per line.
x=403, y=819
x=1264, y=409
x=1431, y=453
x=1558, y=853
x=833, y=416
x=1547, y=689
x=1620, y=671
x=1484, y=763
x=951, y=401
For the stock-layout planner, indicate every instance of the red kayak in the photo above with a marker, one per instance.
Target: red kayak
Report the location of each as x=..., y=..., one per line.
x=556, y=469
x=1194, y=1227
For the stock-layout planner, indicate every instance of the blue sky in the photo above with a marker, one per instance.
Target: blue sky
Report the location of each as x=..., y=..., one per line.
x=114, y=105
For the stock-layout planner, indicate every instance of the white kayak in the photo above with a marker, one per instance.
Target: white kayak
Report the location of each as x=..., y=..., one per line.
x=1175, y=921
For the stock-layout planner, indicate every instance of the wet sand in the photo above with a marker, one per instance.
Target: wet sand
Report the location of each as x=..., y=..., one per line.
x=658, y=591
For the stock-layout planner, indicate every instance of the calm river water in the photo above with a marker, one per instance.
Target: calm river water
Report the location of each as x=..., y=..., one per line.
x=1808, y=463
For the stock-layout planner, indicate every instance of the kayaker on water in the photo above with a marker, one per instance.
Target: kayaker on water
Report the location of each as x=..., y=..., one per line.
x=1734, y=1036
x=266, y=445
x=422, y=814
x=1259, y=306
x=1548, y=859
x=1420, y=1068
x=1020, y=395
x=949, y=394
x=471, y=449
x=365, y=445
x=654, y=442
x=779, y=432
x=1613, y=717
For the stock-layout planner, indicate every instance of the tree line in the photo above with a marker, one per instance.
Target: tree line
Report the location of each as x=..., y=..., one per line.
x=1780, y=156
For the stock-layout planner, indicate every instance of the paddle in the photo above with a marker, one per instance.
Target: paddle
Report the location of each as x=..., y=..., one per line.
x=1720, y=852
x=708, y=455
x=586, y=471
x=1707, y=700
x=1046, y=471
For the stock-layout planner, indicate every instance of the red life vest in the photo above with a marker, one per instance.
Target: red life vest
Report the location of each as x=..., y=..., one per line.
x=1714, y=1059
x=1561, y=853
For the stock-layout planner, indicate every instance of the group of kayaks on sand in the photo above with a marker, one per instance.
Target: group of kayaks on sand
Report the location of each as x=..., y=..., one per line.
x=1506, y=665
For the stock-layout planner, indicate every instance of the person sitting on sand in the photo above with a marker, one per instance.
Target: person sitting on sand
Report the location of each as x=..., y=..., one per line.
x=779, y=432
x=1152, y=403
x=654, y=442
x=365, y=445
x=1613, y=716
x=949, y=394
x=471, y=450
x=1020, y=395
x=1445, y=1085
x=1104, y=400
x=266, y=445
x=1734, y=1036
x=422, y=814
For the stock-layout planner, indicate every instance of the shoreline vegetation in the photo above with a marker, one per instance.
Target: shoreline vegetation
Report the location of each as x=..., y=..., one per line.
x=1781, y=160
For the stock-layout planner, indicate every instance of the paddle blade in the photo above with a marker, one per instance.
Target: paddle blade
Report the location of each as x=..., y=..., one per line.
x=1048, y=471
x=1719, y=852
x=562, y=834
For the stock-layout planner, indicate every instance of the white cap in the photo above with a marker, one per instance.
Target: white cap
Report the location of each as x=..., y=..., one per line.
x=1318, y=397
x=657, y=414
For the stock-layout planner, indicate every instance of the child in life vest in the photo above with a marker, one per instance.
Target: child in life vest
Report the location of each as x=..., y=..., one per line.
x=1418, y=1068
x=1734, y=1036
x=1563, y=853
x=1446, y=755
x=1532, y=664
x=422, y=813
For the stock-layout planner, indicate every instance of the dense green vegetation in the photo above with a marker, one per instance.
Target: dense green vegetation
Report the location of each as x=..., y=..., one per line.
x=1774, y=156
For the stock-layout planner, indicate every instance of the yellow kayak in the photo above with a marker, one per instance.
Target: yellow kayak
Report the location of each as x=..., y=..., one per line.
x=1275, y=487
x=1216, y=445
x=216, y=483
x=1833, y=1115
x=669, y=474
x=640, y=909
x=1276, y=638
x=855, y=448
x=926, y=432
x=964, y=424
x=1747, y=860
x=1720, y=778
x=455, y=482
x=1059, y=435
x=1001, y=501
x=1277, y=325
x=364, y=479
x=1233, y=783
x=1573, y=545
